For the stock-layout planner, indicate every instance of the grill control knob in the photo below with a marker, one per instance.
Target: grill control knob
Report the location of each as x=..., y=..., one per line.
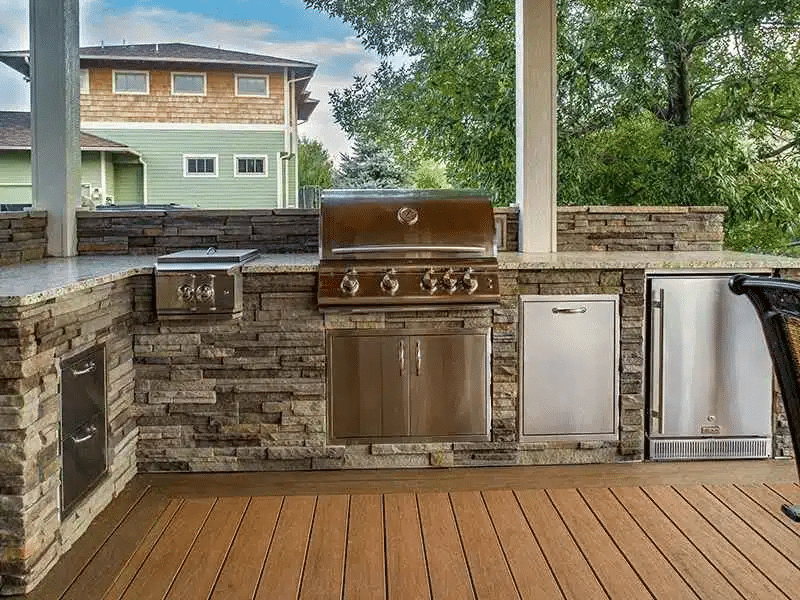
x=349, y=284
x=469, y=282
x=448, y=281
x=205, y=293
x=429, y=283
x=186, y=292
x=389, y=283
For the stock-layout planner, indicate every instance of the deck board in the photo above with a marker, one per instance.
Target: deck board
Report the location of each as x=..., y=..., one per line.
x=618, y=578
x=742, y=574
x=365, y=564
x=528, y=565
x=452, y=538
x=447, y=565
x=488, y=568
x=574, y=575
x=661, y=578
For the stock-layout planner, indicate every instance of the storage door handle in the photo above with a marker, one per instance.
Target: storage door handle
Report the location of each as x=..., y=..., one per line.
x=90, y=431
x=402, y=356
x=660, y=308
x=419, y=357
x=88, y=368
x=569, y=311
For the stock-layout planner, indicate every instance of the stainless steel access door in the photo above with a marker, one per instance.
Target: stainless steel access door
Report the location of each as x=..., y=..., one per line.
x=368, y=385
x=710, y=371
x=448, y=387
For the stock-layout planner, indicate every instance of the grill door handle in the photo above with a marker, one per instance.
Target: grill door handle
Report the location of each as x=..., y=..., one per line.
x=402, y=356
x=569, y=311
x=90, y=431
x=419, y=357
x=88, y=368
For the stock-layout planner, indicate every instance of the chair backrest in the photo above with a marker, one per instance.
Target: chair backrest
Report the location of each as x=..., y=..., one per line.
x=777, y=302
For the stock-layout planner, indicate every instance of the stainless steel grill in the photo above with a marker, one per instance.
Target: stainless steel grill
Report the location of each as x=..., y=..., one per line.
x=200, y=283
x=395, y=248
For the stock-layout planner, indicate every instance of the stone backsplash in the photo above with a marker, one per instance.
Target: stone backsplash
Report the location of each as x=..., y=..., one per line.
x=33, y=339
x=23, y=236
x=580, y=228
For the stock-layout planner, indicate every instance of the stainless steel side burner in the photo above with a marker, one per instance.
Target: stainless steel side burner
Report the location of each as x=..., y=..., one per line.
x=200, y=283
x=395, y=248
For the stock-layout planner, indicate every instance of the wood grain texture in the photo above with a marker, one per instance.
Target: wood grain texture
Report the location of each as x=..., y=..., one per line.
x=618, y=578
x=750, y=582
x=199, y=572
x=657, y=573
x=528, y=565
x=687, y=560
x=287, y=553
x=447, y=565
x=771, y=501
x=159, y=569
x=241, y=571
x=406, y=569
x=573, y=573
x=324, y=570
x=365, y=570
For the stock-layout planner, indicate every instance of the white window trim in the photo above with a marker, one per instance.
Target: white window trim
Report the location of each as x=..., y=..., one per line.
x=236, y=158
x=265, y=77
x=186, y=158
x=88, y=81
x=146, y=80
x=172, y=84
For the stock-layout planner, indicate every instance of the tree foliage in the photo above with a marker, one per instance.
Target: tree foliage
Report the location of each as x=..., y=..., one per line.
x=659, y=101
x=369, y=167
x=314, y=164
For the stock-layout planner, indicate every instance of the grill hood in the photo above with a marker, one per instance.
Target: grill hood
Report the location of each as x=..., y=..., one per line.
x=406, y=224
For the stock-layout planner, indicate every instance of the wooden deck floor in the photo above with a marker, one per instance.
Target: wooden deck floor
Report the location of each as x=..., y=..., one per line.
x=544, y=532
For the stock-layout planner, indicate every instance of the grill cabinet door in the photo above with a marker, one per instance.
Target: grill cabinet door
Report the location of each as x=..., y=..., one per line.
x=448, y=388
x=368, y=386
x=84, y=460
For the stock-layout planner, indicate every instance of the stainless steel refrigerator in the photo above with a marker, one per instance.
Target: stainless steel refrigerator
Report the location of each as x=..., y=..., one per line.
x=709, y=376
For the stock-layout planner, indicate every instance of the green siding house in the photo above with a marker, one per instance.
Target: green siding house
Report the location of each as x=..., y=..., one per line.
x=206, y=127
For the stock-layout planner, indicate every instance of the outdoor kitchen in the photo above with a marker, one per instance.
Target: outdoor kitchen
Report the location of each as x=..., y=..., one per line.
x=385, y=349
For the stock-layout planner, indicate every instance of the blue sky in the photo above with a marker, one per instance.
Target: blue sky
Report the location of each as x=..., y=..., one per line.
x=284, y=28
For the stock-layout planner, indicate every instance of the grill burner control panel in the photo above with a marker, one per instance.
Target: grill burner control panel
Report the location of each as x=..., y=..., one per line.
x=362, y=284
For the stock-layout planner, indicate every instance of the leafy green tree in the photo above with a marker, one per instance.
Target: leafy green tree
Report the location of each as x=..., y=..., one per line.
x=314, y=164
x=369, y=167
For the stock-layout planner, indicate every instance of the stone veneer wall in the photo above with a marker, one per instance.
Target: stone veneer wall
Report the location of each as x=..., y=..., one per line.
x=23, y=236
x=580, y=228
x=249, y=394
x=33, y=339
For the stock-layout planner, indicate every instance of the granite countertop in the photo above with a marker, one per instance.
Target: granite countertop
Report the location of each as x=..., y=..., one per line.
x=40, y=280
x=644, y=260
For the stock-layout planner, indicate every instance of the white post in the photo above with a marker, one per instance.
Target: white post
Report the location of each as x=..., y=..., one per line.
x=536, y=124
x=55, y=119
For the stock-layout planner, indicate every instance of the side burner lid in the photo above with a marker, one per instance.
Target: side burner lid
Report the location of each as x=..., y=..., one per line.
x=227, y=256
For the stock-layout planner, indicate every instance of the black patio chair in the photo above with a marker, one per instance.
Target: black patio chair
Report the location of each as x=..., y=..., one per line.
x=777, y=302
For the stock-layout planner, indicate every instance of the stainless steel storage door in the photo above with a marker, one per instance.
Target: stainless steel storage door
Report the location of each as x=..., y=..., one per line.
x=569, y=386
x=710, y=371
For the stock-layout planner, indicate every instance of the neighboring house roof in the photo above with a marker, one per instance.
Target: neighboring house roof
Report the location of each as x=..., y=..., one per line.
x=15, y=134
x=176, y=56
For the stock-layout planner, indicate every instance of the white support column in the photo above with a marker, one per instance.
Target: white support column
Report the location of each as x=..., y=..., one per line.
x=55, y=119
x=536, y=124
x=103, y=175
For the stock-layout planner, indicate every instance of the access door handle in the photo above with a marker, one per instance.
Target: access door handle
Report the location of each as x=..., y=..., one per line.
x=89, y=367
x=402, y=356
x=419, y=357
x=569, y=311
x=90, y=431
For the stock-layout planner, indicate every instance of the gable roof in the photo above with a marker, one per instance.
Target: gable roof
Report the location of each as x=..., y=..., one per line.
x=15, y=134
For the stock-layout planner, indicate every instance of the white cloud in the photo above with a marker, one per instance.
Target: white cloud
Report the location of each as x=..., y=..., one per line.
x=338, y=60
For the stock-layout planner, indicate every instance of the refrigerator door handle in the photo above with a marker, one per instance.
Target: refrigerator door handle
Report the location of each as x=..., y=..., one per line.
x=657, y=370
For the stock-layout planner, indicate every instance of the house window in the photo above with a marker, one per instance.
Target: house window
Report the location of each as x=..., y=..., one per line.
x=250, y=166
x=200, y=165
x=188, y=84
x=252, y=85
x=131, y=82
x=84, y=81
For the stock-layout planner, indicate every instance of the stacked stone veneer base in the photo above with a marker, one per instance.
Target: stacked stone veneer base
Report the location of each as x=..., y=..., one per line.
x=249, y=394
x=23, y=236
x=580, y=228
x=33, y=339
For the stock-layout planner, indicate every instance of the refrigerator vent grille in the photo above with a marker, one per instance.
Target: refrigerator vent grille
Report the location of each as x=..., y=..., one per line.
x=710, y=448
